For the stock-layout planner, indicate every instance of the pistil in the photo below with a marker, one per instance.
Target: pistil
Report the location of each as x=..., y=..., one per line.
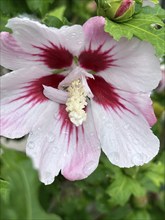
x=76, y=102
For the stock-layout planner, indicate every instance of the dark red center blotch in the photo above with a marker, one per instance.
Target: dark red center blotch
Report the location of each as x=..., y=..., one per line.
x=104, y=93
x=96, y=60
x=34, y=90
x=55, y=57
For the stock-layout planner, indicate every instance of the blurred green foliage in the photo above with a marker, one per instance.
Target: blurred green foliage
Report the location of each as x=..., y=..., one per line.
x=110, y=193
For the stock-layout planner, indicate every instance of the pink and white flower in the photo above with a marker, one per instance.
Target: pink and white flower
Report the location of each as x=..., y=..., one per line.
x=76, y=91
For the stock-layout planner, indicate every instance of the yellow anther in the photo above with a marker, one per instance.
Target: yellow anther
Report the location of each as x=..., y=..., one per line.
x=76, y=102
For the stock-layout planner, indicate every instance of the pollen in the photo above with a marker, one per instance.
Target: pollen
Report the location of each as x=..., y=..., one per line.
x=76, y=102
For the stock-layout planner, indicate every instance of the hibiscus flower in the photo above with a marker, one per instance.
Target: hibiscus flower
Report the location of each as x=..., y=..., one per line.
x=76, y=90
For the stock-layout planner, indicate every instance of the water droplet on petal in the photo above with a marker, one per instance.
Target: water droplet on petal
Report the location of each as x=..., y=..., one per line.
x=55, y=149
x=65, y=132
x=114, y=156
x=89, y=167
x=92, y=134
x=126, y=126
x=137, y=159
x=31, y=133
x=104, y=118
x=48, y=178
x=109, y=125
x=51, y=137
x=31, y=145
x=135, y=141
x=73, y=34
x=56, y=116
x=37, y=131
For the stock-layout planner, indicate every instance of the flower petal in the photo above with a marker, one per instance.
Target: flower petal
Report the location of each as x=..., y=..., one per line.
x=51, y=46
x=30, y=34
x=22, y=99
x=97, y=54
x=143, y=103
x=12, y=55
x=129, y=65
x=137, y=67
x=85, y=157
x=106, y=95
x=73, y=38
x=55, y=95
x=55, y=144
x=125, y=135
x=44, y=147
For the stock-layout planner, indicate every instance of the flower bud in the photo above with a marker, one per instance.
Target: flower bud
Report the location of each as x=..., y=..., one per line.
x=117, y=10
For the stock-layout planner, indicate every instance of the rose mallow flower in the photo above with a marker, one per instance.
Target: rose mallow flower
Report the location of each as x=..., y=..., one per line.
x=76, y=90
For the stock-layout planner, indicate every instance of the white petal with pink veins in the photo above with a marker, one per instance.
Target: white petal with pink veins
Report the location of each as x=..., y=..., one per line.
x=85, y=157
x=136, y=66
x=36, y=38
x=31, y=33
x=44, y=147
x=73, y=38
x=12, y=55
x=125, y=136
x=22, y=101
x=43, y=43
x=143, y=103
x=129, y=65
x=55, y=144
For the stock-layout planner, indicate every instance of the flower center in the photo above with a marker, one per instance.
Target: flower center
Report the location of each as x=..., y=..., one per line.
x=76, y=102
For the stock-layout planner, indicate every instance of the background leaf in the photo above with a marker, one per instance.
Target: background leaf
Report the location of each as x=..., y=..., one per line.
x=24, y=185
x=4, y=190
x=122, y=188
x=39, y=6
x=143, y=26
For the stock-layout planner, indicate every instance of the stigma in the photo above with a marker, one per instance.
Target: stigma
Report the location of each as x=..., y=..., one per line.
x=76, y=102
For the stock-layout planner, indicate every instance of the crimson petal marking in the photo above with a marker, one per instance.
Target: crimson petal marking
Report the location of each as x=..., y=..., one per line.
x=97, y=60
x=104, y=93
x=24, y=103
x=34, y=90
x=67, y=126
x=50, y=151
x=85, y=151
x=54, y=57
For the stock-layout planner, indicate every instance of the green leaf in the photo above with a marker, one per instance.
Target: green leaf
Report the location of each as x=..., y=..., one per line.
x=55, y=18
x=24, y=185
x=52, y=21
x=138, y=215
x=122, y=188
x=10, y=7
x=3, y=21
x=155, y=1
x=58, y=12
x=156, y=11
x=4, y=190
x=156, y=173
x=39, y=6
x=143, y=27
